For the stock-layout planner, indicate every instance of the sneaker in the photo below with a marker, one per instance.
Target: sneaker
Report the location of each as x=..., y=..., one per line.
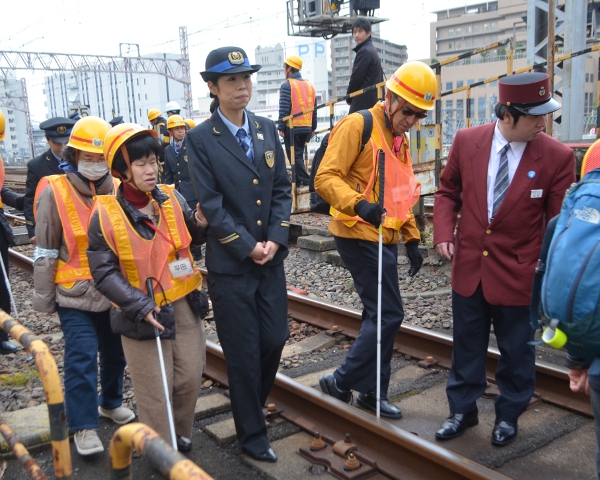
x=119, y=415
x=87, y=442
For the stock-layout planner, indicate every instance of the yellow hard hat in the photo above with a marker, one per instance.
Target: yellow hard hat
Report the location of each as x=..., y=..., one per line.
x=591, y=159
x=152, y=114
x=294, y=61
x=88, y=134
x=2, y=126
x=190, y=123
x=175, y=121
x=118, y=135
x=415, y=82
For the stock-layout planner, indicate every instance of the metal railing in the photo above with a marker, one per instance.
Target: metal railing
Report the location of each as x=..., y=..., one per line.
x=59, y=436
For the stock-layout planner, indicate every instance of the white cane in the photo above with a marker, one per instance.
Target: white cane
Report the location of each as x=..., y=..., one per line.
x=379, y=287
x=12, y=299
x=163, y=371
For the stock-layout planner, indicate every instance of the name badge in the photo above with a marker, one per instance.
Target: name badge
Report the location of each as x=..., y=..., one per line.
x=537, y=193
x=181, y=268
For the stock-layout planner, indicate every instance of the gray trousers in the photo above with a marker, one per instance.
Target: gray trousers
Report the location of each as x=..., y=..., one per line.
x=185, y=358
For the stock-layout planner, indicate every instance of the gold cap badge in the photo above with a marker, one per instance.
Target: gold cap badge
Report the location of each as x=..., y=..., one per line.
x=61, y=130
x=236, y=58
x=542, y=92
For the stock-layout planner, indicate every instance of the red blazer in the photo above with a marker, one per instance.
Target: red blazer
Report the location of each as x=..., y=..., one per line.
x=500, y=255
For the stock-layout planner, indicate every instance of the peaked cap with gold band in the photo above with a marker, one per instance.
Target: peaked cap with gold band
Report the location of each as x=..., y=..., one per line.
x=227, y=61
x=58, y=129
x=529, y=93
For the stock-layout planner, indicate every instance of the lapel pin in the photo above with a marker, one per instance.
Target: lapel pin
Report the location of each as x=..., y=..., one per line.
x=531, y=174
x=260, y=136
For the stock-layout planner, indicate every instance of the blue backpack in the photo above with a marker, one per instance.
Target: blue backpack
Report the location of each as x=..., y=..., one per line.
x=570, y=284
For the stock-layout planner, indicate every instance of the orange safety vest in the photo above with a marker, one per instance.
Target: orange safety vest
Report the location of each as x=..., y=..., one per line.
x=1, y=180
x=303, y=98
x=74, y=213
x=43, y=183
x=401, y=189
x=139, y=258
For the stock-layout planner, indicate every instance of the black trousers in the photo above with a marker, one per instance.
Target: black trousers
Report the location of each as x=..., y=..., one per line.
x=515, y=375
x=251, y=318
x=359, y=370
x=299, y=140
x=4, y=296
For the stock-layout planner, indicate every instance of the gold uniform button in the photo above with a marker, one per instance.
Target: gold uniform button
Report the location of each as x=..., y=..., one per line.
x=258, y=202
x=259, y=223
x=485, y=253
x=488, y=231
x=255, y=181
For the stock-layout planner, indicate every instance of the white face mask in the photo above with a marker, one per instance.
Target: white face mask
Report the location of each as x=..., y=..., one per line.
x=92, y=170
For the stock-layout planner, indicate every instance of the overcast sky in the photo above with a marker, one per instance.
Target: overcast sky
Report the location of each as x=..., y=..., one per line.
x=94, y=27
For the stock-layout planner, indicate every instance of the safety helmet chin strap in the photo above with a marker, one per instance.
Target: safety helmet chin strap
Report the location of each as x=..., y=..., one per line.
x=388, y=101
x=125, y=154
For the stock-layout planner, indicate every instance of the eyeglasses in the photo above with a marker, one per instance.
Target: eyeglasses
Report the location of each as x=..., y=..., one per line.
x=408, y=112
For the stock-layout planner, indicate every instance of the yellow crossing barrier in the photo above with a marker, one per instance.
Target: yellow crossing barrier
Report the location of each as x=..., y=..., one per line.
x=172, y=464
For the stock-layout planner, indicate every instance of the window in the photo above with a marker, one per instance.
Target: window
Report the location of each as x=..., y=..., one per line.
x=458, y=30
x=459, y=83
x=494, y=38
x=457, y=45
x=486, y=27
x=475, y=28
x=449, y=103
x=481, y=107
x=481, y=79
x=471, y=107
x=494, y=25
x=468, y=43
x=460, y=106
x=592, y=77
x=587, y=79
x=449, y=109
x=449, y=87
x=470, y=81
x=450, y=32
x=145, y=95
x=469, y=29
x=449, y=46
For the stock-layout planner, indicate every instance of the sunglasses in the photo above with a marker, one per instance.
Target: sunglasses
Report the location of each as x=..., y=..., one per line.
x=408, y=112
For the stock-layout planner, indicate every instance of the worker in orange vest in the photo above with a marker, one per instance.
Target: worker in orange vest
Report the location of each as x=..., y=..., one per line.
x=63, y=283
x=297, y=95
x=145, y=232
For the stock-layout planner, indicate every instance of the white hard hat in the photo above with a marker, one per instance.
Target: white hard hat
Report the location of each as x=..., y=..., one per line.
x=172, y=107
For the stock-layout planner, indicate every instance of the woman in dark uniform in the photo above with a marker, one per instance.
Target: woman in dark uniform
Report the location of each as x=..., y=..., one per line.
x=238, y=171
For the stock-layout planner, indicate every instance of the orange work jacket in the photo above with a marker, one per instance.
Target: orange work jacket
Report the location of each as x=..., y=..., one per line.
x=139, y=258
x=401, y=189
x=303, y=98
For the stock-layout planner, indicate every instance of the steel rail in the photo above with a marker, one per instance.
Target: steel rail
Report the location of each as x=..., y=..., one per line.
x=552, y=382
x=398, y=453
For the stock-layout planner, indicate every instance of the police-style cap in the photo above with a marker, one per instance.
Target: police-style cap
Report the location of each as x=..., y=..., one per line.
x=116, y=121
x=58, y=129
x=528, y=93
x=226, y=61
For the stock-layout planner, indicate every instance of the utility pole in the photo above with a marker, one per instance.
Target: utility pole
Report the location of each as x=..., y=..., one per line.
x=27, y=116
x=185, y=70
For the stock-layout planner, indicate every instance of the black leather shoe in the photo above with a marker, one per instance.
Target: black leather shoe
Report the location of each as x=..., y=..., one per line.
x=329, y=386
x=386, y=409
x=184, y=444
x=504, y=433
x=6, y=347
x=267, y=456
x=456, y=424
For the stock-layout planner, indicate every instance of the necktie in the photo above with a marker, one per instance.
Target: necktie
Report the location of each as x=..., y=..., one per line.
x=176, y=147
x=502, y=182
x=244, y=142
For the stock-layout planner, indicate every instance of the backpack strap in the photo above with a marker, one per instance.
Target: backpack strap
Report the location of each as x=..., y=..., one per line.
x=368, y=128
x=536, y=292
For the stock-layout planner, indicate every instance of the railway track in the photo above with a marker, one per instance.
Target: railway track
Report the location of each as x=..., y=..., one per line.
x=397, y=453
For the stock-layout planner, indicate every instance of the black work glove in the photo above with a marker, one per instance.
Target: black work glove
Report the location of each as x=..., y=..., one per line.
x=369, y=212
x=414, y=255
